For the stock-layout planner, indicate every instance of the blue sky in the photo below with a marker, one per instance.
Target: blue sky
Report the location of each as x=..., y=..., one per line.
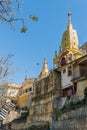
x=43, y=37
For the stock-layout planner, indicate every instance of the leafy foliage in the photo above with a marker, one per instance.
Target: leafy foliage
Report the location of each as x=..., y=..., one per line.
x=23, y=29
x=33, y=17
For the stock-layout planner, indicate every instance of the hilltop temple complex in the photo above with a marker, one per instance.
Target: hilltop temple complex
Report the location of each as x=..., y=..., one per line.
x=50, y=95
x=68, y=78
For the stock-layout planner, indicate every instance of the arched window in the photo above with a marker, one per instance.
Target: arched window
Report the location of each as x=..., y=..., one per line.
x=63, y=61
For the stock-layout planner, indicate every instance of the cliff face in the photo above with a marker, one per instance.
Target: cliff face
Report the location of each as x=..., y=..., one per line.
x=76, y=119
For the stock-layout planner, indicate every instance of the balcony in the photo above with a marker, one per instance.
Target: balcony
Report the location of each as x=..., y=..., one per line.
x=80, y=71
x=79, y=75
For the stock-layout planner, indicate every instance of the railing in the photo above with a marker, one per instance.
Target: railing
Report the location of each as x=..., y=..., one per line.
x=79, y=74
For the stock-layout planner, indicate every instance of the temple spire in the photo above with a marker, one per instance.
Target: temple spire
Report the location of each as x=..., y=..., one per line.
x=70, y=38
x=45, y=67
x=45, y=70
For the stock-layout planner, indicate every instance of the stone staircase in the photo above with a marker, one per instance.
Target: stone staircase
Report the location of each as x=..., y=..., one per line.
x=6, y=109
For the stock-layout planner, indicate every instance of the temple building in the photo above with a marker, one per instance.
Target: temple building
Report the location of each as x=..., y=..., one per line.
x=26, y=91
x=9, y=92
x=79, y=76
x=68, y=78
x=43, y=97
x=46, y=90
x=71, y=62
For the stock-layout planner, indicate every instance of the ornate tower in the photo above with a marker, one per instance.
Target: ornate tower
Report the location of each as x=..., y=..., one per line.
x=45, y=70
x=70, y=38
x=69, y=45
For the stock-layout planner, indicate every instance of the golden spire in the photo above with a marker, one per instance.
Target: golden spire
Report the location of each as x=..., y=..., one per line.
x=70, y=38
x=45, y=70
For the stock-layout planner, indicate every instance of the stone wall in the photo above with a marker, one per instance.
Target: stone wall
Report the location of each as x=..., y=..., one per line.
x=81, y=85
x=45, y=90
x=72, y=120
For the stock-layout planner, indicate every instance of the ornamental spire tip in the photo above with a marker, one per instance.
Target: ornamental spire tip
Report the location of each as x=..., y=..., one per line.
x=69, y=17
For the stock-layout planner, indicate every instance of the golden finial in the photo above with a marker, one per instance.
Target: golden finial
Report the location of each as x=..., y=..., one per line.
x=69, y=17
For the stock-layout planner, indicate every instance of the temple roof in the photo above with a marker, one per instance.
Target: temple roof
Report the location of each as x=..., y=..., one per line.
x=45, y=70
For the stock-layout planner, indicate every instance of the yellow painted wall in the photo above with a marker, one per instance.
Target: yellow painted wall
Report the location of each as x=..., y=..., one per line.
x=26, y=85
x=81, y=85
x=23, y=100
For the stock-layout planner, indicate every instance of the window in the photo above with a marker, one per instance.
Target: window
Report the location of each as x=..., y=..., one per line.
x=69, y=71
x=70, y=57
x=63, y=61
x=28, y=89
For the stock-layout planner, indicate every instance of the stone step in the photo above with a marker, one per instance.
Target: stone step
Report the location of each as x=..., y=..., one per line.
x=1, y=116
x=2, y=113
x=4, y=110
x=7, y=108
x=11, y=104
